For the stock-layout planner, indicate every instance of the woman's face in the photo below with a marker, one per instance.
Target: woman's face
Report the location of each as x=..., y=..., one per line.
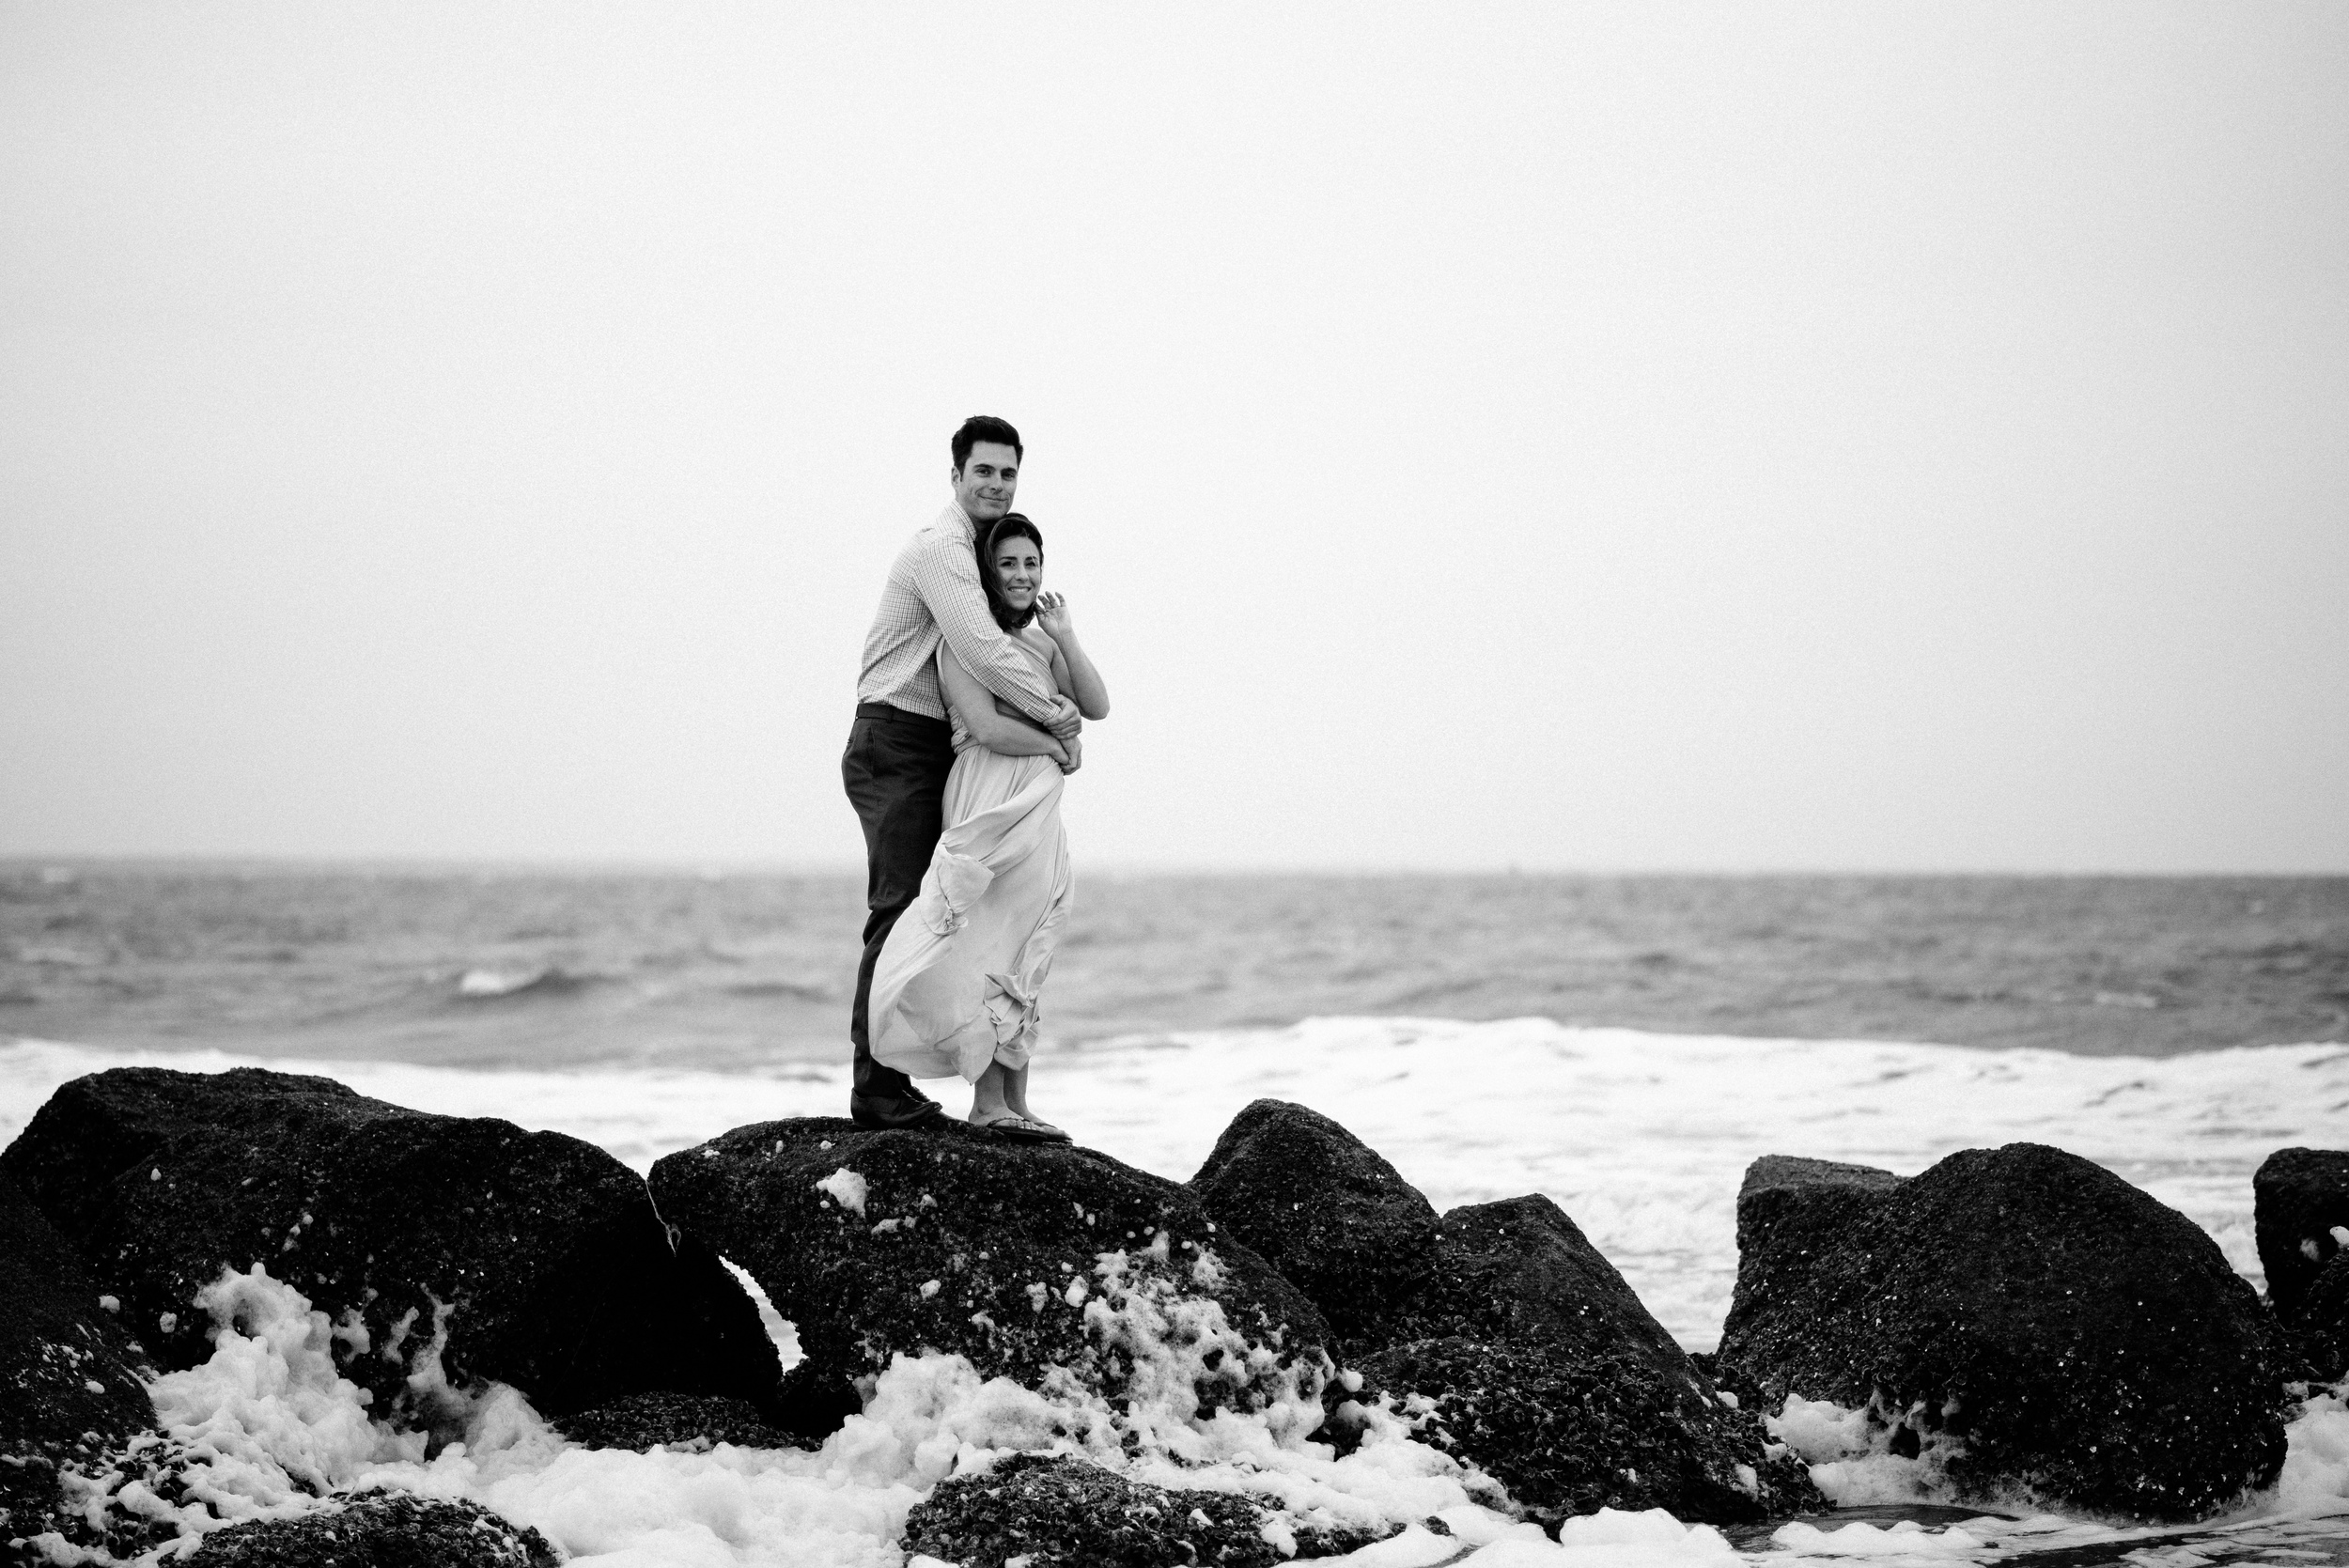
x=1019, y=570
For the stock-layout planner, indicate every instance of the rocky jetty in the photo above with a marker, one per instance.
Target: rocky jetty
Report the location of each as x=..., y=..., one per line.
x=379, y=1529
x=1029, y=1259
x=2300, y=1219
x=2045, y=1327
x=530, y=1258
x=2027, y=1321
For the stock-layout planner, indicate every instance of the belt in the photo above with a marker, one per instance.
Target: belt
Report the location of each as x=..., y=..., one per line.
x=890, y=711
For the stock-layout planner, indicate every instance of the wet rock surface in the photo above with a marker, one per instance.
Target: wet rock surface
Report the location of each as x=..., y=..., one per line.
x=2059, y=1329
x=1063, y=1513
x=876, y=1243
x=1323, y=1208
x=1571, y=1431
x=2299, y=1200
x=1520, y=1270
x=71, y=1387
x=698, y=1422
x=539, y=1255
x=379, y=1529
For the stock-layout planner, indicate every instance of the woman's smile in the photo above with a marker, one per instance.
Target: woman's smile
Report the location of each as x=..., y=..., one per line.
x=1018, y=571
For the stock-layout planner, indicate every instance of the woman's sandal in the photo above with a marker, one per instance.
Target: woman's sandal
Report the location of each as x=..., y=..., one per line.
x=1023, y=1129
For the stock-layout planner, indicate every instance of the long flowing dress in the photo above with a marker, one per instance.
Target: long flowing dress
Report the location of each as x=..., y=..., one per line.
x=956, y=984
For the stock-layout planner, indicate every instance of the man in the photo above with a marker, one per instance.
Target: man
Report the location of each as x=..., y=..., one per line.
x=901, y=747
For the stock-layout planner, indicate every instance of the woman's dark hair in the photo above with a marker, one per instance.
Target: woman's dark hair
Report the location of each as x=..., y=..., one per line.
x=1013, y=526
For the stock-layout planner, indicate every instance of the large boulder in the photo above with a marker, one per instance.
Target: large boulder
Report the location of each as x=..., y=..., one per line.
x=2300, y=1219
x=1322, y=1207
x=1057, y=1511
x=1520, y=1270
x=75, y=1383
x=1036, y=1262
x=2049, y=1327
x=1572, y=1430
x=1542, y=1364
x=533, y=1259
x=379, y=1529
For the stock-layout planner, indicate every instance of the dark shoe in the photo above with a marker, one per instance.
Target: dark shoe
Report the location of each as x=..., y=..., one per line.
x=1023, y=1129
x=912, y=1109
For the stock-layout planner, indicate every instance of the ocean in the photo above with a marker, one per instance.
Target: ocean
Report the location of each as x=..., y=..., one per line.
x=510, y=969
x=1626, y=1045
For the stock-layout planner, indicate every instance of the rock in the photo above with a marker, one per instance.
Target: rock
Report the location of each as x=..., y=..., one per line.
x=75, y=1383
x=1021, y=1257
x=1572, y=1430
x=539, y=1255
x=1496, y=1312
x=2321, y=1329
x=1520, y=1271
x=1059, y=1511
x=379, y=1529
x=2050, y=1327
x=1320, y=1207
x=689, y=1421
x=1548, y=1374
x=2300, y=1199
x=1792, y=1216
x=1794, y=1208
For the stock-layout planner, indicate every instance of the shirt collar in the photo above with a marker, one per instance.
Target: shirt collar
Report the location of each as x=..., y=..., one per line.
x=955, y=518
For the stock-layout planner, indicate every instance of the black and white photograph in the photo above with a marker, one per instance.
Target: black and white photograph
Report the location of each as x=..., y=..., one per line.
x=1491, y=785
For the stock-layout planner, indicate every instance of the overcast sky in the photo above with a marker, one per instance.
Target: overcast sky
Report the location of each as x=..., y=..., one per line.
x=1644, y=436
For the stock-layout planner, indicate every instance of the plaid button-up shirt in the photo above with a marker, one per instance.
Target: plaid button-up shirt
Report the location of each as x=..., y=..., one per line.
x=933, y=591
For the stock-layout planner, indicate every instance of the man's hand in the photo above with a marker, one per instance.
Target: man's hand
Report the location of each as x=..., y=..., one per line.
x=1076, y=750
x=1066, y=722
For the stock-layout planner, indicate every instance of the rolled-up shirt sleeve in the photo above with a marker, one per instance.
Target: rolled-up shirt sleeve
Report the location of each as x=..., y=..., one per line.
x=946, y=575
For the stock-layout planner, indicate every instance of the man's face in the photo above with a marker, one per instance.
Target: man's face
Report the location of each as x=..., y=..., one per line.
x=985, y=481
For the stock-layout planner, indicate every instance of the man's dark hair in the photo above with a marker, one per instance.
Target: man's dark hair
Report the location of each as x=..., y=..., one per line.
x=985, y=426
x=1013, y=526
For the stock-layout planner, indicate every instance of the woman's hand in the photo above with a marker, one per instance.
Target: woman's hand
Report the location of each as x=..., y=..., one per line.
x=1051, y=614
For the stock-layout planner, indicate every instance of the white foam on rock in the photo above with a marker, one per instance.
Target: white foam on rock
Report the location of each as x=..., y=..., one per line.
x=1850, y=1460
x=1851, y=1457
x=846, y=1188
x=2315, y=1479
x=267, y=1424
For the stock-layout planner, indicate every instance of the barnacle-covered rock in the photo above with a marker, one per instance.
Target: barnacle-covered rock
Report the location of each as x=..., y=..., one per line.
x=2051, y=1329
x=1053, y=1265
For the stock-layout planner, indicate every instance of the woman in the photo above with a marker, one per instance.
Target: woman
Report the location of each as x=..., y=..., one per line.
x=955, y=991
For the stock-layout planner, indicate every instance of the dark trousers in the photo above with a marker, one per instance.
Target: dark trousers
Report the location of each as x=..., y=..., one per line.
x=896, y=769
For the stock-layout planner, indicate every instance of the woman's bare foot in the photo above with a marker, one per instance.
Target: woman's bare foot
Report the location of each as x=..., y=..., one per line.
x=988, y=1102
x=1016, y=1095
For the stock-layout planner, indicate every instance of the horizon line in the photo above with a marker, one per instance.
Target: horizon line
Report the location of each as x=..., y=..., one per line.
x=14, y=863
